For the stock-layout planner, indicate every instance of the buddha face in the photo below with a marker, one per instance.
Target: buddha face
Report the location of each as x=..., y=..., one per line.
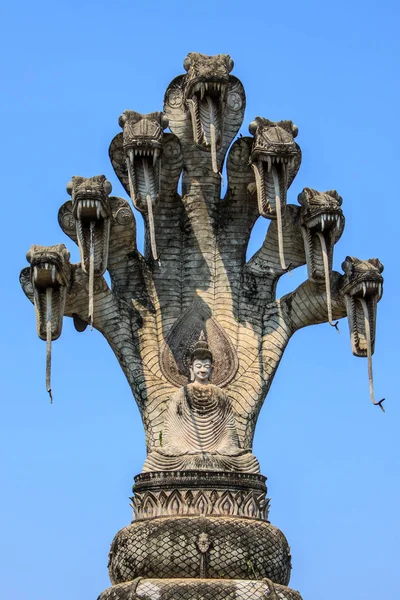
x=201, y=370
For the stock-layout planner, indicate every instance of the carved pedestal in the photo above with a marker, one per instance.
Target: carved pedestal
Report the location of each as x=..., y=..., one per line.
x=199, y=535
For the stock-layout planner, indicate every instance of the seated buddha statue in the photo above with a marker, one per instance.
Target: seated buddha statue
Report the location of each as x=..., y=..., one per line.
x=199, y=426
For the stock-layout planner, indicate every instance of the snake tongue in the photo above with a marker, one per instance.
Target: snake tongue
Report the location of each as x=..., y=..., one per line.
x=212, y=138
x=144, y=171
x=93, y=242
x=368, y=336
x=144, y=174
x=319, y=233
x=98, y=234
x=49, y=294
x=150, y=199
x=49, y=304
x=278, y=208
x=206, y=116
x=358, y=309
x=271, y=185
x=327, y=274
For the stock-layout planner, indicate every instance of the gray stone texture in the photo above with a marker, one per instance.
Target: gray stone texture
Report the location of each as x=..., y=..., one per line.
x=197, y=329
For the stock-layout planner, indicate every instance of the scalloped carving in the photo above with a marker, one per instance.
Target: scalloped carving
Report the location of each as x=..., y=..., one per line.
x=149, y=506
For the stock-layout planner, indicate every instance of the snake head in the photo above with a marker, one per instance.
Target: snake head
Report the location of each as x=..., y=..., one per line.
x=362, y=289
x=320, y=215
x=92, y=211
x=50, y=266
x=142, y=147
x=50, y=273
x=205, y=93
x=275, y=159
x=90, y=197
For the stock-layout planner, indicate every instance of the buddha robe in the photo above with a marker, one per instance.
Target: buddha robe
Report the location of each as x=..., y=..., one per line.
x=200, y=433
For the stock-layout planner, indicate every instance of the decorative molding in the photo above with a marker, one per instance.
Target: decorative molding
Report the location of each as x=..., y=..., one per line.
x=194, y=493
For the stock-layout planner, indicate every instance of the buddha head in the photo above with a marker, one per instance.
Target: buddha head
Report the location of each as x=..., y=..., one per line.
x=201, y=362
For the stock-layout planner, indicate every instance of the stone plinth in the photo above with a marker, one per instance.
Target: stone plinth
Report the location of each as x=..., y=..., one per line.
x=199, y=534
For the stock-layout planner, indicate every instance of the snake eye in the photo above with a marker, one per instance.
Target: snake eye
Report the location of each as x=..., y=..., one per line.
x=122, y=120
x=164, y=121
x=69, y=188
x=187, y=62
x=348, y=265
x=377, y=263
x=306, y=196
x=107, y=187
x=230, y=64
x=295, y=130
x=301, y=198
x=338, y=198
x=335, y=195
x=253, y=127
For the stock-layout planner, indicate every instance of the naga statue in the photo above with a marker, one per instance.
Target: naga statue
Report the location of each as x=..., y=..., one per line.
x=197, y=329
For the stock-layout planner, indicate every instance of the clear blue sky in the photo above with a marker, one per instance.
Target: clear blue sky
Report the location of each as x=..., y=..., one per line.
x=68, y=71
